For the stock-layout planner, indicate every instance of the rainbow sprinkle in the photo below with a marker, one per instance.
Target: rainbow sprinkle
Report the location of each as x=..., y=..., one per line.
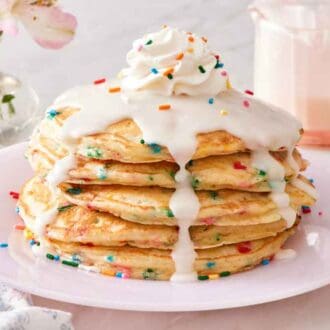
x=201, y=69
x=168, y=71
x=224, y=274
x=74, y=191
x=265, y=262
x=306, y=209
x=211, y=100
x=210, y=264
x=217, y=237
x=107, y=272
x=3, y=245
x=64, y=208
x=246, y=103
x=102, y=173
x=19, y=227
x=154, y=70
x=70, y=263
x=239, y=166
x=203, y=277
x=213, y=194
x=213, y=276
x=163, y=107
x=249, y=92
x=179, y=56
x=169, y=213
x=223, y=112
x=149, y=42
x=244, y=247
x=99, y=81
x=191, y=38
x=155, y=148
x=52, y=113
x=28, y=234
x=218, y=65
x=14, y=195
x=195, y=182
x=115, y=89
x=50, y=256
x=110, y=258
x=149, y=274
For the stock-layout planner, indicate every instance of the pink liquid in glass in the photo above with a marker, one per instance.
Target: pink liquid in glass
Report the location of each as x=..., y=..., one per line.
x=292, y=62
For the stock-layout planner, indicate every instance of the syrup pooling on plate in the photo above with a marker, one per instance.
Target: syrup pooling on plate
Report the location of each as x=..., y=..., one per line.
x=177, y=69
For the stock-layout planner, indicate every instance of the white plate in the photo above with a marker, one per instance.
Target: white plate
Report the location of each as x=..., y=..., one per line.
x=281, y=279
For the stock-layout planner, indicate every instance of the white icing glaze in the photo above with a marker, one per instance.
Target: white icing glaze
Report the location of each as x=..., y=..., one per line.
x=262, y=159
x=307, y=188
x=185, y=206
x=292, y=162
x=259, y=125
x=285, y=254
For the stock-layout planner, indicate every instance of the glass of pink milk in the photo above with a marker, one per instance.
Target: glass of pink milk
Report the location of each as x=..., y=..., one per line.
x=292, y=61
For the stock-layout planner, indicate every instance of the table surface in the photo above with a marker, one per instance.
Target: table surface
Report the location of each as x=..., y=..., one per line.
x=305, y=312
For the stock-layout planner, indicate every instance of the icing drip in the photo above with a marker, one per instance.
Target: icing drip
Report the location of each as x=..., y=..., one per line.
x=292, y=162
x=307, y=188
x=185, y=206
x=263, y=160
x=177, y=128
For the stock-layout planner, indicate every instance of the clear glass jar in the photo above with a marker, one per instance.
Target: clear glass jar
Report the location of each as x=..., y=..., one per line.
x=292, y=61
x=19, y=110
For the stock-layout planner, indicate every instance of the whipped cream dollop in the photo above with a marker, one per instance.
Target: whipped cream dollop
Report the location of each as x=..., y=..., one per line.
x=172, y=61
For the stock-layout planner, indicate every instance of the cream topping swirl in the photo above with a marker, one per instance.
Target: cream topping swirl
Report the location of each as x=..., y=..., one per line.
x=173, y=62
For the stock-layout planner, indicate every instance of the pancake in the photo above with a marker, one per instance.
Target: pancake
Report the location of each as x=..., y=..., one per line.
x=80, y=225
x=123, y=141
x=151, y=205
x=155, y=264
x=211, y=173
x=226, y=208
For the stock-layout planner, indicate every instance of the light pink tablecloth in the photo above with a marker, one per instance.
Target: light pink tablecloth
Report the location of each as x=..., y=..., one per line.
x=306, y=312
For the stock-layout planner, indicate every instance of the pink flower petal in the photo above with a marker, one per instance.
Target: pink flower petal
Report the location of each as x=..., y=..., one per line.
x=49, y=26
x=9, y=26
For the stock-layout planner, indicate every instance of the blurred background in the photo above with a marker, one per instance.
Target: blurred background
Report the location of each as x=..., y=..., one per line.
x=106, y=30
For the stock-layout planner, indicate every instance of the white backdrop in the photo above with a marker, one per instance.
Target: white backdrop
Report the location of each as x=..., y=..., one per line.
x=105, y=33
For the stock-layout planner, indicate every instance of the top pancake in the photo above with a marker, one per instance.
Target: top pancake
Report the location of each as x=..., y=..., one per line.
x=123, y=141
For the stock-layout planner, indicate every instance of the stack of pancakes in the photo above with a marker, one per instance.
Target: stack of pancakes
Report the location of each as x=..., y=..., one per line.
x=113, y=208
